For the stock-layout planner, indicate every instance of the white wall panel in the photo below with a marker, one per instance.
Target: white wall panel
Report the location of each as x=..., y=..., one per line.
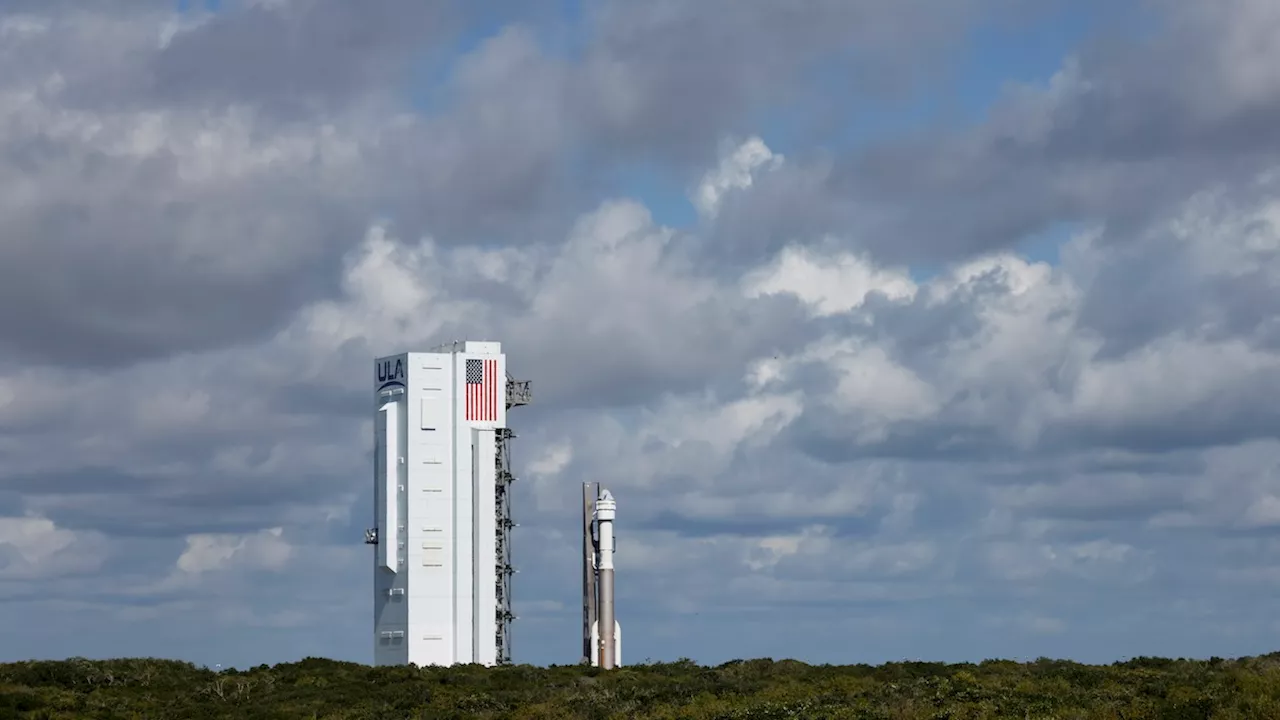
x=484, y=547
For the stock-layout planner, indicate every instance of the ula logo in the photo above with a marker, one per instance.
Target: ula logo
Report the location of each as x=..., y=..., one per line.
x=389, y=372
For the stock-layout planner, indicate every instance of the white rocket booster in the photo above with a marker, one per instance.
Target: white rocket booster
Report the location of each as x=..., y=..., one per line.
x=610, y=651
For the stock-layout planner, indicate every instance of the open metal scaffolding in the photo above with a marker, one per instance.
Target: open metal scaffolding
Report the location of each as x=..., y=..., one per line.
x=518, y=394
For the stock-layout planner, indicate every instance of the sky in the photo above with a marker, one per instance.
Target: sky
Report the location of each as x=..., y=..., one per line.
x=937, y=329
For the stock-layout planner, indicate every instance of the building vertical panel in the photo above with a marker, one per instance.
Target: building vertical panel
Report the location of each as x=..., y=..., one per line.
x=392, y=469
x=391, y=637
x=484, y=547
x=431, y=564
x=462, y=528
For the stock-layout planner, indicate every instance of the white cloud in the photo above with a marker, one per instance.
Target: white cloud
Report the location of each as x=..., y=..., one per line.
x=736, y=171
x=1263, y=512
x=553, y=460
x=266, y=549
x=871, y=384
x=816, y=549
x=34, y=549
x=829, y=284
x=1172, y=375
x=1093, y=560
x=210, y=154
x=1042, y=625
x=712, y=454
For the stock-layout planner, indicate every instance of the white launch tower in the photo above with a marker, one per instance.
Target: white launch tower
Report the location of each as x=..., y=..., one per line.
x=442, y=566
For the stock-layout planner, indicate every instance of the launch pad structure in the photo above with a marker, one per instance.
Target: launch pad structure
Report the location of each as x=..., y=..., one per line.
x=442, y=561
x=442, y=515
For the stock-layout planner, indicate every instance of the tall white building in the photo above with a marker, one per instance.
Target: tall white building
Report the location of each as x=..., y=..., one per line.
x=442, y=562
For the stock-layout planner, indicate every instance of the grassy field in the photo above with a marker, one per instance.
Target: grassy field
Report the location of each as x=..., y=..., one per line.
x=758, y=689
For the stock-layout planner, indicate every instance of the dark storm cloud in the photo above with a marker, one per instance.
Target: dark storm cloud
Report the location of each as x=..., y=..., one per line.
x=639, y=354
x=119, y=259
x=143, y=317
x=236, y=478
x=131, y=238
x=175, y=511
x=849, y=499
x=1237, y=414
x=1136, y=300
x=1098, y=508
x=302, y=57
x=83, y=481
x=11, y=502
x=1059, y=468
x=159, y=226
x=1158, y=281
x=789, y=203
x=919, y=331
x=1119, y=136
x=672, y=78
x=1139, y=297
x=744, y=527
x=828, y=435
x=322, y=399
x=493, y=168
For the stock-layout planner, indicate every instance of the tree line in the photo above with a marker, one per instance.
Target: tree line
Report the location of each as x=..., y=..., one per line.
x=764, y=689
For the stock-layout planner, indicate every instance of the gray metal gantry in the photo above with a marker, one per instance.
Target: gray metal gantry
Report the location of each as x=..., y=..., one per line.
x=518, y=394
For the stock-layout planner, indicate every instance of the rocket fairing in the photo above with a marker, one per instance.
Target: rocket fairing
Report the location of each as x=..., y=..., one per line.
x=437, y=415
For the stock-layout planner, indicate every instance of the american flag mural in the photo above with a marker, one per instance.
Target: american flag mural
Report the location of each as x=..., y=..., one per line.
x=484, y=391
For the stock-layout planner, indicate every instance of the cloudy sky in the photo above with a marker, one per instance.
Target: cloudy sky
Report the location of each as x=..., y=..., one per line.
x=945, y=329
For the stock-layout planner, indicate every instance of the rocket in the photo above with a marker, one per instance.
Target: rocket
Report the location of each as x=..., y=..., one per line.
x=602, y=635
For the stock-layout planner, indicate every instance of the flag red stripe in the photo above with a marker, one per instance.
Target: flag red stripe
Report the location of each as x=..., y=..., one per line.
x=492, y=376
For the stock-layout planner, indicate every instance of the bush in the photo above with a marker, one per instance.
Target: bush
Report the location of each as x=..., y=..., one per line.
x=762, y=688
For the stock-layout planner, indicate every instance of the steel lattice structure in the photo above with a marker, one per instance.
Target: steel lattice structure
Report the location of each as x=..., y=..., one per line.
x=518, y=394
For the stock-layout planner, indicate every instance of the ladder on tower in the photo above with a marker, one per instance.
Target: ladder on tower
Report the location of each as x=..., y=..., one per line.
x=518, y=394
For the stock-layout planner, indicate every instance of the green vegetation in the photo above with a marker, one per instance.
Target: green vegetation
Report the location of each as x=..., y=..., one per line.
x=754, y=689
